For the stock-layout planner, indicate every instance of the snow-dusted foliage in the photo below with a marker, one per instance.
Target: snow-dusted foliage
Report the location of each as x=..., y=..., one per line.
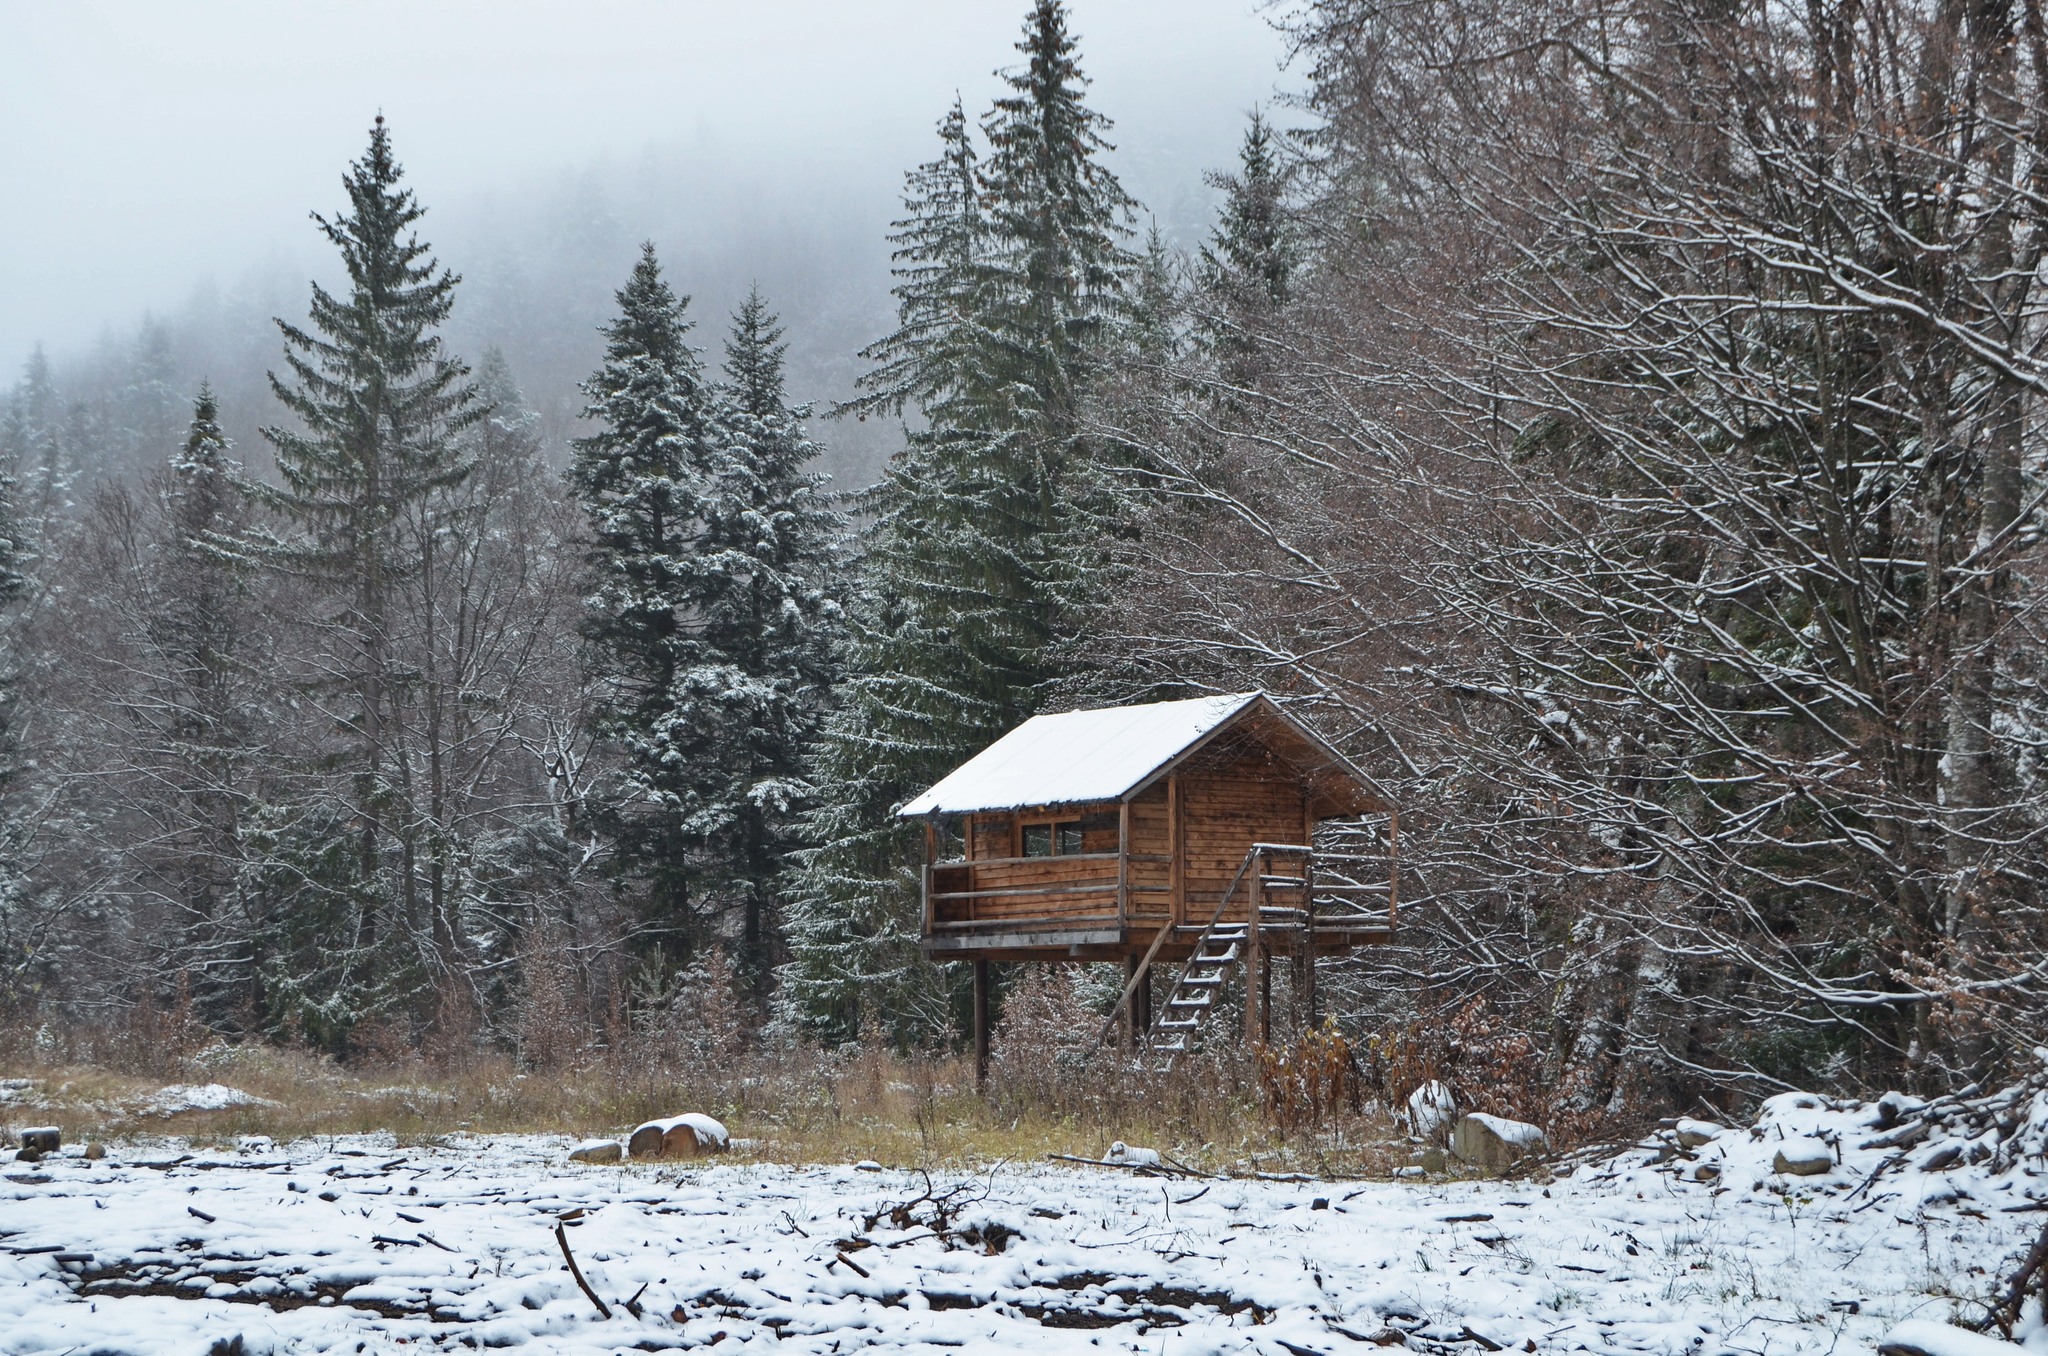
x=1640, y=476
x=714, y=623
x=1010, y=272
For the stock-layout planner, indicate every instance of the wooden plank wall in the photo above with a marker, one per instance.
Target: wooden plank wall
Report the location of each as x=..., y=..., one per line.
x=1230, y=799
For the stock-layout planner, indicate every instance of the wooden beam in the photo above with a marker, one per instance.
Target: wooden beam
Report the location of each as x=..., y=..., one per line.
x=1176, y=852
x=1123, y=864
x=1256, y=1027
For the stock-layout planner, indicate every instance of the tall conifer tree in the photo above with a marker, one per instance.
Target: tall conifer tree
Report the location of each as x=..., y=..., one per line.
x=1010, y=274
x=764, y=625
x=380, y=405
x=643, y=480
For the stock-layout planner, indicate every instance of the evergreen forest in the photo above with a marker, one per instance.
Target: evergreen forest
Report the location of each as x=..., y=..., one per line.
x=1617, y=425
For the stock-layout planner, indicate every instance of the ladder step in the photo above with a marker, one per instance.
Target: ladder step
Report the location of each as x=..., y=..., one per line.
x=1199, y=1004
x=1202, y=982
x=1178, y=1024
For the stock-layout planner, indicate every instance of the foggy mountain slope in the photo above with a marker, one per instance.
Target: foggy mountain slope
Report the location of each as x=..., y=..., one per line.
x=760, y=147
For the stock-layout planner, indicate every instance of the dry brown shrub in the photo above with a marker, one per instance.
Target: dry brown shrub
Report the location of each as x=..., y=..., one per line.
x=554, y=1030
x=1309, y=1084
x=1488, y=1065
x=1043, y=1042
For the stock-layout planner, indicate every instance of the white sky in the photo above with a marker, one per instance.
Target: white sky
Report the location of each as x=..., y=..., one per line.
x=150, y=145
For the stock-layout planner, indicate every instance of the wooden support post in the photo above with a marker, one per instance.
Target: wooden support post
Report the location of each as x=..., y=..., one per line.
x=980, y=1025
x=1141, y=1004
x=1307, y=989
x=1257, y=991
x=1176, y=852
x=1123, y=869
x=1136, y=1019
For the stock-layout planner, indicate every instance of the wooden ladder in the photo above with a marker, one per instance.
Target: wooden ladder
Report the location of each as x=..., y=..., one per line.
x=1222, y=946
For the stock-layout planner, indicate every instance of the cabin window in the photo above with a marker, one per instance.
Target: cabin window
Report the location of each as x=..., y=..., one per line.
x=1062, y=839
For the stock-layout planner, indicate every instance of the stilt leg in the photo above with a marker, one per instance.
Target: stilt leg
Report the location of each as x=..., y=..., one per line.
x=980, y=1025
x=1138, y=1012
x=1265, y=1000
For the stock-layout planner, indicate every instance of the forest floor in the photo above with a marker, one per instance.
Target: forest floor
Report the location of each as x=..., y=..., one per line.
x=363, y=1243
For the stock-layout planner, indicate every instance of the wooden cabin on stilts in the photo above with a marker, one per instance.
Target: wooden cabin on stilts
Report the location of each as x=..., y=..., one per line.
x=1217, y=835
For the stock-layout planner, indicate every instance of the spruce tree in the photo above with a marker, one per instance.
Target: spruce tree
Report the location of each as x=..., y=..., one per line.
x=202, y=718
x=763, y=623
x=939, y=262
x=1058, y=217
x=644, y=479
x=380, y=406
x=1247, y=268
x=1006, y=294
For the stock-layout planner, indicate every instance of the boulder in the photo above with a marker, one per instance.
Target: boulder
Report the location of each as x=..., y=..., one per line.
x=1494, y=1142
x=44, y=1139
x=1692, y=1134
x=1431, y=1109
x=1803, y=1156
x=597, y=1151
x=687, y=1136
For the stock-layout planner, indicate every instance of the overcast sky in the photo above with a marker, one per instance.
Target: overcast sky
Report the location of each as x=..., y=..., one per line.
x=150, y=146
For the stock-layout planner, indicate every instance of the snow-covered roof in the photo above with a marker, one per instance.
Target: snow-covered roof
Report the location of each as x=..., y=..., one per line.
x=1077, y=756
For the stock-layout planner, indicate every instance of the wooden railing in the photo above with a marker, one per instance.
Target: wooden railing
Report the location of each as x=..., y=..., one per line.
x=1066, y=890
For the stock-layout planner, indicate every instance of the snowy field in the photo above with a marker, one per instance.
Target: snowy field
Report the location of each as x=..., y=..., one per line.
x=355, y=1245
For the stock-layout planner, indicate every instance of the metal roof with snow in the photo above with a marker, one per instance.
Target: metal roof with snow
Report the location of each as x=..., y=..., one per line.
x=1080, y=757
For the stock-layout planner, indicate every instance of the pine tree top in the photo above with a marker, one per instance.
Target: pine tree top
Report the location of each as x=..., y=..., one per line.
x=206, y=445
x=373, y=387
x=1251, y=250
x=754, y=358
x=652, y=321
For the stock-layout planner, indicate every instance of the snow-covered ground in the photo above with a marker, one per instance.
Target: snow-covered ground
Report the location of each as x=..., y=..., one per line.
x=355, y=1245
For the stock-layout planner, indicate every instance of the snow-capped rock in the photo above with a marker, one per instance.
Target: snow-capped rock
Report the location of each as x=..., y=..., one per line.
x=1495, y=1142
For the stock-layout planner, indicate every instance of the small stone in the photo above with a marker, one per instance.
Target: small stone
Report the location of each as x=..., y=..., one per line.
x=1692, y=1134
x=28, y=1154
x=95, y=1151
x=1707, y=1172
x=597, y=1151
x=1947, y=1156
x=1320, y=1203
x=867, y=1165
x=1803, y=1156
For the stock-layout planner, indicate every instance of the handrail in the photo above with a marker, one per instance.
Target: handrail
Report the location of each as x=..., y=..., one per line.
x=1164, y=933
x=1145, y=965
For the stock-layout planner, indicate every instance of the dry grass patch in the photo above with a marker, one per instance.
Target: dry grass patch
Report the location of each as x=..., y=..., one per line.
x=794, y=1107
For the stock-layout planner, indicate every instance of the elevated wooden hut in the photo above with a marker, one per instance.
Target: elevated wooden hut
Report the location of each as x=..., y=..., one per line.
x=1179, y=832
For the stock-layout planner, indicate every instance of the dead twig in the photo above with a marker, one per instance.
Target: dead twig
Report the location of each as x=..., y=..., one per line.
x=562, y=1237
